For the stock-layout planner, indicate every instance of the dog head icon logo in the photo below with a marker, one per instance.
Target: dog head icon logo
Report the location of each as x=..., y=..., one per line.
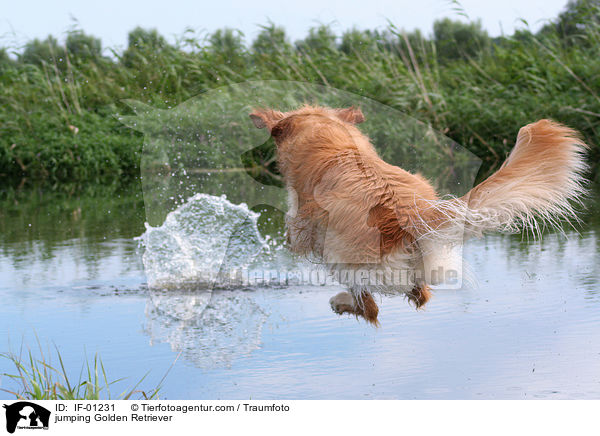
x=26, y=415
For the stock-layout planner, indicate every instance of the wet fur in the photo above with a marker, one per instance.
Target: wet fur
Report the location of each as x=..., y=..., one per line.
x=351, y=210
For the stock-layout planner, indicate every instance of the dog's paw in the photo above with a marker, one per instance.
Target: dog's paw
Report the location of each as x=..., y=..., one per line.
x=343, y=303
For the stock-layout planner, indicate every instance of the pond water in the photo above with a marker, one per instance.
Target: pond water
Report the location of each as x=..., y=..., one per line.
x=72, y=276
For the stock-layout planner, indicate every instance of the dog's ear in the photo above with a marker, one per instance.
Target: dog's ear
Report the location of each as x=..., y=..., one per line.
x=266, y=118
x=351, y=115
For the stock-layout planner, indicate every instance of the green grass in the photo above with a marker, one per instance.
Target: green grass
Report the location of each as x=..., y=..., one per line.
x=58, y=101
x=36, y=378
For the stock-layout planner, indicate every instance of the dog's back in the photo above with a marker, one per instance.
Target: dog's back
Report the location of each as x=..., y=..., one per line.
x=350, y=204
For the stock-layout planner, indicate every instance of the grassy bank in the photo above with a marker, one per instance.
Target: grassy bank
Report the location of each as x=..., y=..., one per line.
x=36, y=377
x=58, y=98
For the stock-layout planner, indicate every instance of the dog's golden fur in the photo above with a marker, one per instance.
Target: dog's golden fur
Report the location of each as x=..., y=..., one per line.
x=350, y=208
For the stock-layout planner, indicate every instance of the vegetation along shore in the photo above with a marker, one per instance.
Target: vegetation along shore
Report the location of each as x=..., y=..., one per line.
x=58, y=99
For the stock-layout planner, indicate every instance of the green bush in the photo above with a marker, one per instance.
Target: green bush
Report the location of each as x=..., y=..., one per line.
x=58, y=101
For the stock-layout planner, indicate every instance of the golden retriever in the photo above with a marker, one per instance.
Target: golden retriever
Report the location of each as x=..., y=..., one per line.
x=355, y=212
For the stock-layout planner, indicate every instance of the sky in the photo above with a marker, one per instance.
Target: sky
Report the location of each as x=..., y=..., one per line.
x=111, y=20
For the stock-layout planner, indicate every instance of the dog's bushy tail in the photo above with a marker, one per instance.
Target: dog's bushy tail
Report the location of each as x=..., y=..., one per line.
x=537, y=185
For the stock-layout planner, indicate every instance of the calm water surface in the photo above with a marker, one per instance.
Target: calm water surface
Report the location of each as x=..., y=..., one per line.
x=71, y=273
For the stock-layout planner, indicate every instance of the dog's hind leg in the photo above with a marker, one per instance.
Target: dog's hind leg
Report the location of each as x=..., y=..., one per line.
x=365, y=307
x=419, y=295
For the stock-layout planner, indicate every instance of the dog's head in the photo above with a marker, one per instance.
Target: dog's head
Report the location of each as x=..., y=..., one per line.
x=282, y=124
x=308, y=135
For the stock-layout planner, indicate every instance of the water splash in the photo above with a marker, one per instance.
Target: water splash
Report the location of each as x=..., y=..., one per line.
x=200, y=243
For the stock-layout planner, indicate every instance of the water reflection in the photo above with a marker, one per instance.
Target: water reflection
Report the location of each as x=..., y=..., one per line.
x=211, y=329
